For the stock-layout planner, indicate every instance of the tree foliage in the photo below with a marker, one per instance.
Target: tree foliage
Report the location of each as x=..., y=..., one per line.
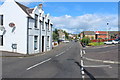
x=85, y=40
x=55, y=35
x=66, y=35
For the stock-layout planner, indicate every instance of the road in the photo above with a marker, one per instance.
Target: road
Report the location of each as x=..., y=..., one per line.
x=56, y=64
x=65, y=62
x=102, y=62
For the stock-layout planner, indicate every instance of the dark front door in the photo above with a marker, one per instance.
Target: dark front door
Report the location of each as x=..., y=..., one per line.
x=42, y=43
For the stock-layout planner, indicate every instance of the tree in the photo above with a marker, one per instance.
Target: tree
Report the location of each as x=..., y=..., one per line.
x=55, y=35
x=66, y=35
x=85, y=40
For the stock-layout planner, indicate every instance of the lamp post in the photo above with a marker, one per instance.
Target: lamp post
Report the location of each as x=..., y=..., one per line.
x=107, y=30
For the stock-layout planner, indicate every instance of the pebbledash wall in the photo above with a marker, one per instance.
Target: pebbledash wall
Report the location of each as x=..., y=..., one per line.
x=24, y=30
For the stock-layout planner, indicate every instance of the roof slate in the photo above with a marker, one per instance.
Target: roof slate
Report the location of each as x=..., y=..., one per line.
x=89, y=33
x=27, y=10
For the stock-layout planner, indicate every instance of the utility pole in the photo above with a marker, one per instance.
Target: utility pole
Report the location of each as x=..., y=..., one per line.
x=107, y=31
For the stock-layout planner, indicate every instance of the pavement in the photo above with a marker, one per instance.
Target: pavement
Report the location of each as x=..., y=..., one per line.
x=15, y=54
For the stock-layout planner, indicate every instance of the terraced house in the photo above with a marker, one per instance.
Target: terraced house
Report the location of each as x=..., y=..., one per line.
x=24, y=30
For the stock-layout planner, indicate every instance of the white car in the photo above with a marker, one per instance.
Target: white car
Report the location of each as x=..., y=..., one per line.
x=115, y=41
x=111, y=42
x=108, y=42
x=66, y=41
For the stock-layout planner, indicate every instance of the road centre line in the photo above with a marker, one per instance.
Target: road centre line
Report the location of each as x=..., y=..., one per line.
x=60, y=53
x=67, y=49
x=39, y=63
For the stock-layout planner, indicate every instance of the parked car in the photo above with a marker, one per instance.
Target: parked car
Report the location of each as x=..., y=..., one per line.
x=66, y=41
x=76, y=40
x=115, y=41
x=108, y=42
x=111, y=42
x=119, y=42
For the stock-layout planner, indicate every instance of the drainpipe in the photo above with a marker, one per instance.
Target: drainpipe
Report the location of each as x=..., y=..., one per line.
x=28, y=35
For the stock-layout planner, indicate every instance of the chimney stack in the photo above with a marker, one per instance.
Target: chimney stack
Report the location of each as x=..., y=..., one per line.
x=40, y=5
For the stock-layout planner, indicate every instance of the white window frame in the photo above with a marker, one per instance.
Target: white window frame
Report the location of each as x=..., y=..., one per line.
x=48, y=40
x=35, y=42
x=43, y=25
x=1, y=40
x=1, y=20
x=36, y=21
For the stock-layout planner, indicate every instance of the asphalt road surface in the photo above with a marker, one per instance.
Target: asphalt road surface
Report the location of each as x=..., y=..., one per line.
x=65, y=62
x=102, y=62
x=56, y=64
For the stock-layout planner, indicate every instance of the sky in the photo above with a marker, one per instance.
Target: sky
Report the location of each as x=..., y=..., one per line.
x=75, y=17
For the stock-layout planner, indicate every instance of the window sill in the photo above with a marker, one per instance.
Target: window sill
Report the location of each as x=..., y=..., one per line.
x=49, y=31
x=36, y=28
x=43, y=30
x=29, y=28
x=35, y=49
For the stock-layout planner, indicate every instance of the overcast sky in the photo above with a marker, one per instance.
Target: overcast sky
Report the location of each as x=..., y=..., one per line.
x=75, y=17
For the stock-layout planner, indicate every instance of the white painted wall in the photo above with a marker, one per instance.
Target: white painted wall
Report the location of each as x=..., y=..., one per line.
x=13, y=13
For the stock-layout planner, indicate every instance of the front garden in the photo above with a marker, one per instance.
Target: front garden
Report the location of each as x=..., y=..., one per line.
x=86, y=41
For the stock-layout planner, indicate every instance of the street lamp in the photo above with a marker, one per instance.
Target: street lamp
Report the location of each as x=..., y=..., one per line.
x=107, y=30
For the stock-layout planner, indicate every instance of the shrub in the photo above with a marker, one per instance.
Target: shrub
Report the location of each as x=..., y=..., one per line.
x=85, y=40
x=96, y=43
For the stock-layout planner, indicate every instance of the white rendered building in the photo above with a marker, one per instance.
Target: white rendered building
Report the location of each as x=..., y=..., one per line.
x=24, y=30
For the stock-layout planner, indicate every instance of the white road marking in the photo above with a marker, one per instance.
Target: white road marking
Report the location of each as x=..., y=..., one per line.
x=81, y=62
x=83, y=77
x=84, y=51
x=92, y=59
x=81, y=53
x=39, y=64
x=97, y=66
x=113, y=62
x=82, y=70
x=20, y=57
x=104, y=61
x=60, y=53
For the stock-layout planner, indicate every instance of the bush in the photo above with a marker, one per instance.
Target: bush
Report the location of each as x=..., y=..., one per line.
x=85, y=40
x=96, y=43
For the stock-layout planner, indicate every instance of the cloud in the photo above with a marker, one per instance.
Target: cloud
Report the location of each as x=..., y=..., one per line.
x=87, y=22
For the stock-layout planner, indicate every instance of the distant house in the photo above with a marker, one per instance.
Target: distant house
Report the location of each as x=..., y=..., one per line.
x=113, y=34
x=61, y=34
x=24, y=30
x=101, y=34
x=90, y=34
